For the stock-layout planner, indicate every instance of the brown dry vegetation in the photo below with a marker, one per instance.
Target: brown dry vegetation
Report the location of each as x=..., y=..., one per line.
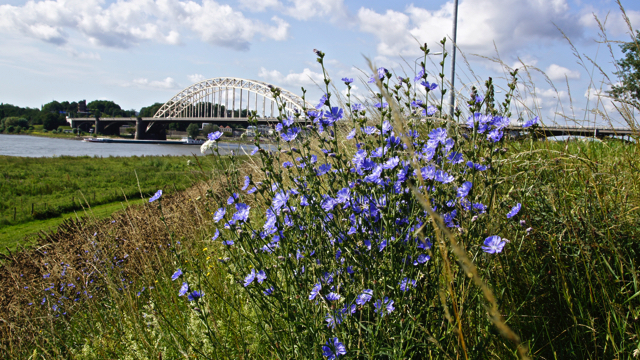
x=139, y=236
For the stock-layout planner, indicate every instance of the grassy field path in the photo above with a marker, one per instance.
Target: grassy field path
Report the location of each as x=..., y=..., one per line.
x=26, y=233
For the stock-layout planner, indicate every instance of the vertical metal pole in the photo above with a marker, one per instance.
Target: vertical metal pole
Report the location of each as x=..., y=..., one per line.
x=240, y=112
x=264, y=106
x=272, y=108
x=256, y=106
x=226, y=100
x=233, y=103
x=452, y=98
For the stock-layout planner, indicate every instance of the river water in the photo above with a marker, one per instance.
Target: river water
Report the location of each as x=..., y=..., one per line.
x=35, y=146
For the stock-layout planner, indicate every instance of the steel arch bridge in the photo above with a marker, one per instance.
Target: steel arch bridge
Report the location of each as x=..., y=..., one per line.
x=210, y=99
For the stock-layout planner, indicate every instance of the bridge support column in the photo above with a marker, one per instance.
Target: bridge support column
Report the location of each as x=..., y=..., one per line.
x=99, y=127
x=140, y=129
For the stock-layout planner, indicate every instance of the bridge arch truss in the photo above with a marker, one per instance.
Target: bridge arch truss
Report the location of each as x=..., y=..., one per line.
x=207, y=98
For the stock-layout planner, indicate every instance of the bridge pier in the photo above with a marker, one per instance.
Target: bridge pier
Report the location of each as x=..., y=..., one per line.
x=156, y=131
x=99, y=127
x=141, y=129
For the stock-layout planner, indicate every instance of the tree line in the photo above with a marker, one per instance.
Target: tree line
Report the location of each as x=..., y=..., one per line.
x=53, y=114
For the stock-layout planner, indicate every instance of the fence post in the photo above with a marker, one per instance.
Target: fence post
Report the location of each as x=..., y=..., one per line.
x=31, y=209
x=14, y=213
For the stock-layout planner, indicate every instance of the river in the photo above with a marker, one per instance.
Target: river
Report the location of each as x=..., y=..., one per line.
x=35, y=146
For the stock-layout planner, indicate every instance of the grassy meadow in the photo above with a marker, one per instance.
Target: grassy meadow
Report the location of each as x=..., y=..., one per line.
x=37, y=193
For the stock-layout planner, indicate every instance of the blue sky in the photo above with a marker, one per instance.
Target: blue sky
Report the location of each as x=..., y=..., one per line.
x=137, y=52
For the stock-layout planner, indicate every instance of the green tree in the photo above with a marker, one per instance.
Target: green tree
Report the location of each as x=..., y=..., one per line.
x=16, y=121
x=54, y=107
x=149, y=111
x=52, y=121
x=209, y=128
x=193, y=130
x=106, y=107
x=629, y=73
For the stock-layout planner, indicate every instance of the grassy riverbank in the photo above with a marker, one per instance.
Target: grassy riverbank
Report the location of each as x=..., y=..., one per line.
x=38, y=189
x=26, y=234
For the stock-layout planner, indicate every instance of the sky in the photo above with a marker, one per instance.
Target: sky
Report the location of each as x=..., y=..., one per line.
x=138, y=52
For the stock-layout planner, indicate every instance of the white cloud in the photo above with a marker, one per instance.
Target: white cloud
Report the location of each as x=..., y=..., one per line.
x=615, y=23
x=259, y=5
x=557, y=72
x=301, y=9
x=195, y=78
x=510, y=23
x=306, y=77
x=166, y=84
x=307, y=9
x=83, y=55
x=599, y=99
x=128, y=22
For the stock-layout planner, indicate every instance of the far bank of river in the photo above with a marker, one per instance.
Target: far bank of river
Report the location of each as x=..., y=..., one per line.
x=36, y=146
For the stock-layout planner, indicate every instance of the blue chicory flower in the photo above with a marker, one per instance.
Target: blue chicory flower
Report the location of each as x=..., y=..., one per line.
x=333, y=349
x=531, y=122
x=333, y=296
x=247, y=181
x=156, y=196
x=363, y=298
x=280, y=199
x=323, y=169
x=194, y=295
x=322, y=101
x=183, y=289
x=370, y=130
x=380, y=75
x=429, y=86
x=232, y=198
x=493, y=244
x=249, y=278
x=219, y=214
x=176, y=275
x=421, y=259
x=464, y=189
x=242, y=213
x=405, y=282
x=214, y=136
x=351, y=134
x=514, y=211
x=261, y=276
x=384, y=306
x=495, y=135
x=290, y=134
x=314, y=292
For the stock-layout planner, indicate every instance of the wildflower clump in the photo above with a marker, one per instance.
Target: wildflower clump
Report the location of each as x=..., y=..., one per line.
x=344, y=247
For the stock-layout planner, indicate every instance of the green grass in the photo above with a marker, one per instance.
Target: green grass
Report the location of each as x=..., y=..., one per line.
x=41, y=188
x=26, y=234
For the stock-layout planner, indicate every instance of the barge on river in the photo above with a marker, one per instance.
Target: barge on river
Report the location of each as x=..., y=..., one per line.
x=184, y=141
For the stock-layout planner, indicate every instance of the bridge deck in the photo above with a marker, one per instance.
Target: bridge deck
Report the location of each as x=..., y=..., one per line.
x=547, y=130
